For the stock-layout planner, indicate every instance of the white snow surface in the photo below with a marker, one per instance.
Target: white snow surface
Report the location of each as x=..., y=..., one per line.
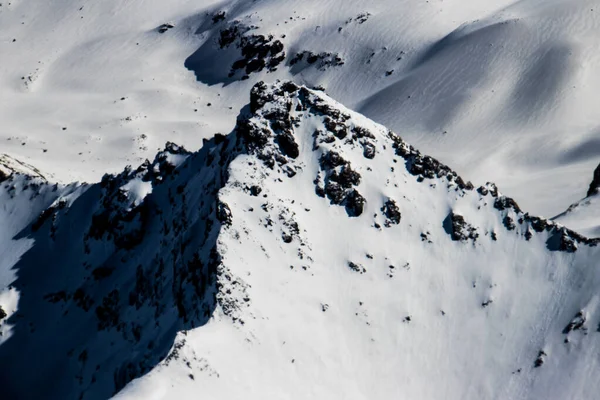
x=503, y=90
x=262, y=288
x=583, y=216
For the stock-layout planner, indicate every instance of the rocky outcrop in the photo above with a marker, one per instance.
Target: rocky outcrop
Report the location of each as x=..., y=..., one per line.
x=458, y=229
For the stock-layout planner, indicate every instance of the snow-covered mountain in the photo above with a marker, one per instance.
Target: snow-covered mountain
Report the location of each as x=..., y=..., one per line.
x=503, y=90
x=309, y=253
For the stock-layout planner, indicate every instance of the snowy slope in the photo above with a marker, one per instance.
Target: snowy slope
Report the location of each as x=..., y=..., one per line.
x=310, y=253
x=584, y=216
x=503, y=90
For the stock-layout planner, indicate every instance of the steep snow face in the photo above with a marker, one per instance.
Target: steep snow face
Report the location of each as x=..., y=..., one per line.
x=311, y=253
x=503, y=90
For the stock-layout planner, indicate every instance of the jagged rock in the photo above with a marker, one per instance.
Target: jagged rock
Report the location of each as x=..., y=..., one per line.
x=218, y=17
x=259, y=96
x=224, y=215
x=258, y=51
x=346, y=178
x=331, y=160
x=392, y=212
x=509, y=223
x=567, y=243
x=506, y=203
x=458, y=229
x=2, y=313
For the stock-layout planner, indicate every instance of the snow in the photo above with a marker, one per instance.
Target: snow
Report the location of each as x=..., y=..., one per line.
x=583, y=216
x=502, y=90
x=232, y=271
x=479, y=311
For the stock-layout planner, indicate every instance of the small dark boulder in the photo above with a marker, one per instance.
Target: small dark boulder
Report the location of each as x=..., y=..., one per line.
x=356, y=267
x=577, y=323
x=392, y=212
x=541, y=358
x=224, y=215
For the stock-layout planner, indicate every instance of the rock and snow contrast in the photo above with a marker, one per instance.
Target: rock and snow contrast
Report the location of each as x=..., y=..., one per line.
x=283, y=244
x=502, y=90
x=310, y=253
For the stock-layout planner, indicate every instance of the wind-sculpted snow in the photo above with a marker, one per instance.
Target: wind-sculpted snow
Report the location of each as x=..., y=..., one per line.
x=309, y=253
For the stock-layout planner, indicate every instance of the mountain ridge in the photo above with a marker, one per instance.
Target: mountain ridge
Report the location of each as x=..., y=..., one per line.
x=142, y=259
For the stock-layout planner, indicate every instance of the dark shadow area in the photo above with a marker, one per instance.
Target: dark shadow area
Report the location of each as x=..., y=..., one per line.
x=108, y=282
x=589, y=149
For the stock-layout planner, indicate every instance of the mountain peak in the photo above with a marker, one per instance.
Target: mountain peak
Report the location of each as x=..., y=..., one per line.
x=306, y=208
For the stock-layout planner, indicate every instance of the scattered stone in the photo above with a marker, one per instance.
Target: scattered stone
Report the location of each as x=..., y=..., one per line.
x=356, y=267
x=165, y=27
x=541, y=358
x=576, y=324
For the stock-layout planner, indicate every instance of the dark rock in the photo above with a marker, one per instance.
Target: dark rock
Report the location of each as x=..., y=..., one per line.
x=458, y=229
x=577, y=323
x=504, y=203
x=356, y=267
x=334, y=192
x=255, y=190
x=509, y=223
x=368, y=151
x=392, y=212
x=218, y=17
x=224, y=215
x=541, y=358
x=331, y=160
x=347, y=177
x=258, y=96
x=162, y=29
x=288, y=145
x=2, y=313
x=355, y=203
x=538, y=224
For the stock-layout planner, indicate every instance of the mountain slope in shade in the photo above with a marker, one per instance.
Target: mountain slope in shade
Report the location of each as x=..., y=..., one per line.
x=310, y=253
